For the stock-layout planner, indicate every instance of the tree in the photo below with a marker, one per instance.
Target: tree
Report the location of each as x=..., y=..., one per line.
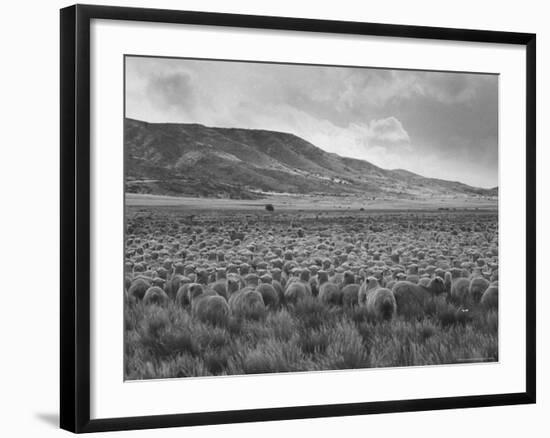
x=269, y=207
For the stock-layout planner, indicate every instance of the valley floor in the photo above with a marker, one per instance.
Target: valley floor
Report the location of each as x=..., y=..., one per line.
x=304, y=202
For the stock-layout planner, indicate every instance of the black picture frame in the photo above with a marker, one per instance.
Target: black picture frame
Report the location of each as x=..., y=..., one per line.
x=75, y=215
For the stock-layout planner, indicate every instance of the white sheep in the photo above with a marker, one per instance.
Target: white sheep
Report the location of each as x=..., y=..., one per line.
x=210, y=307
x=329, y=292
x=247, y=303
x=477, y=287
x=155, y=295
x=489, y=299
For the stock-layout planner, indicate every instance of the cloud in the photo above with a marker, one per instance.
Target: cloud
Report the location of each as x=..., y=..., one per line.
x=172, y=90
x=388, y=130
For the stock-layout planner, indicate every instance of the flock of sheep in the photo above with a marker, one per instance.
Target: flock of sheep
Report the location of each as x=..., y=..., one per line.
x=244, y=266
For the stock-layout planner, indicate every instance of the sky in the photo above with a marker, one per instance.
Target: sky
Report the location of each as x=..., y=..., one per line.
x=437, y=124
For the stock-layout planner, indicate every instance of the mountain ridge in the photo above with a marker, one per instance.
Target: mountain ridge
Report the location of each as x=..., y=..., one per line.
x=190, y=159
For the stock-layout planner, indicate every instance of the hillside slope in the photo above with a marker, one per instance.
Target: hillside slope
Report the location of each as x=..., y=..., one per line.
x=195, y=160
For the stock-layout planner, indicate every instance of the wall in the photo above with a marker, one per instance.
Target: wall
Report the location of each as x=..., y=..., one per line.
x=29, y=245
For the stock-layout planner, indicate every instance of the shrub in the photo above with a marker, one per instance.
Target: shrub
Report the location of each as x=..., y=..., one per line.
x=314, y=341
x=269, y=207
x=311, y=313
x=346, y=349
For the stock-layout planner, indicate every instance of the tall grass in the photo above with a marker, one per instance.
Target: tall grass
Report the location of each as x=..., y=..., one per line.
x=166, y=341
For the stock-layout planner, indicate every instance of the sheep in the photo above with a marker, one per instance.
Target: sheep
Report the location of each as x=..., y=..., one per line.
x=211, y=308
x=296, y=291
x=182, y=295
x=448, y=279
x=233, y=283
x=162, y=273
x=304, y=279
x=202, y=277
x=314, y=284
x=350, y=295
x=460, y=289
x=155, y=295
x=276, y=283
x=477, y=287
x=489, y=299
x=411, y=299
x=127, y=281
x=457, y=273
x=269, y=295
x=424, y=281
x=251, y=280
x=179, y=268
x=193, y=291
x=247, y=303
x=173, y=285
x=369, y=283
x=381, y=303
x=329, y=292
x=138, y=288
x=220, y=287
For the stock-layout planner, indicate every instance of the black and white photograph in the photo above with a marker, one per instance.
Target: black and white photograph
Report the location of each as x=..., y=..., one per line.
x=293, y=217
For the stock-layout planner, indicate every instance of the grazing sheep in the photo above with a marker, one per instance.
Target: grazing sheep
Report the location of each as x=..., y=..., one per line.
x=158, y=282
x=489, y=299
x=202, y=277
x=424, y=281
x=127, y=282
x=349, y=278
x=220, y=287
x=411, y=298
x=304, y=277
x=295, y=291
x=182, y=296
x=162, y=273
x=244, y=269
x=448, y=282
x=221, y=274
x=211, y=308
x=247, y=303
x=337, y=279
x=193, y=291
x=350, y=295
x=155, y=295
x=173, y=285
x=329, y=292
x=276, y=283
x=478, y=286
x=368, y=285
x=297, y=277
x=251, y=280
x=460, y=289
x=167, y=264
x=233, y=284
x=138, y=288
x=381, y=303
x=436, y=286
x=179, y=268
x=457, y=273
x=269, y=295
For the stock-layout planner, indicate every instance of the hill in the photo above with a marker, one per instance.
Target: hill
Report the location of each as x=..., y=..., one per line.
x=194, y=160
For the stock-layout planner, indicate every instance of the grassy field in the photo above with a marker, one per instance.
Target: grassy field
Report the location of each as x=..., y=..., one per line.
x=166, y=342
x=304, y=202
